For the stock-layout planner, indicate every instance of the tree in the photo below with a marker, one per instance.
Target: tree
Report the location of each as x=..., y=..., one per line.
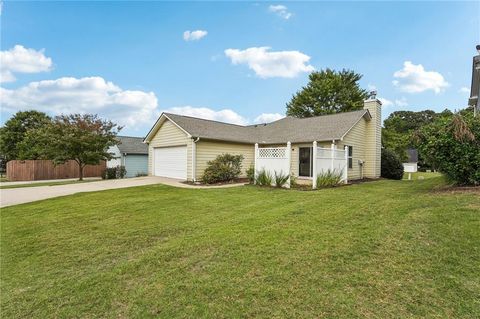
x=13, y=133
x=400, y=126
x=452, y=144
x=81, y=138
x=327, y=92
x=392, y=166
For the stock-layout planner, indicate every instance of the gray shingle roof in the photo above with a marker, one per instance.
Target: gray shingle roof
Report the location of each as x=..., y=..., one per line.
x=295, y=130
x=132, y=145
x=412, y=154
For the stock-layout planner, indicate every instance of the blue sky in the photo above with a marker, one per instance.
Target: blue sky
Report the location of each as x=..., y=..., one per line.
x=129, y=61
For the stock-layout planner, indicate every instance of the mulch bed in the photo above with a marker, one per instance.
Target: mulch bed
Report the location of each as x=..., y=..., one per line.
x=237, y=181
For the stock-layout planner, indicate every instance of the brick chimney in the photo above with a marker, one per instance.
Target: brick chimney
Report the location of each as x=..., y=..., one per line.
x=373, y=146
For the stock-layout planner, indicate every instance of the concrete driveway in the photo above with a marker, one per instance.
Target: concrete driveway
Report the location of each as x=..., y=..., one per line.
x=14, y=196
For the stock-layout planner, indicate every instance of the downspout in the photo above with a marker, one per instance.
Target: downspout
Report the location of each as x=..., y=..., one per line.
x=194, y=158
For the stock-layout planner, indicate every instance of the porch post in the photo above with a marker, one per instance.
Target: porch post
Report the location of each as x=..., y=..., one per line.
x=314, y=165
x=255, y=164
x=333, y=156
x=345, y=174
x=289, y=158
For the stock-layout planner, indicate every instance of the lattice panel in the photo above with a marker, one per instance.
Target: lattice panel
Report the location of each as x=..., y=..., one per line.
x=280, y=152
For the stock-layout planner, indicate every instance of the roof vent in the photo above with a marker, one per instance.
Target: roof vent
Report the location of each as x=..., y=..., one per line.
x=373, y=95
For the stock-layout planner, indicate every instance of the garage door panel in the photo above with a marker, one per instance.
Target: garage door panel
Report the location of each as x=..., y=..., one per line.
x=171, y=162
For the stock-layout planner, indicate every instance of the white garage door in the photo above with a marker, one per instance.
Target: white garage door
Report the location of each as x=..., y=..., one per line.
x=170, y=162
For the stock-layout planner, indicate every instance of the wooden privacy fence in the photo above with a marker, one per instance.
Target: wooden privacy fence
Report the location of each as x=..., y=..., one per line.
x=32, y=170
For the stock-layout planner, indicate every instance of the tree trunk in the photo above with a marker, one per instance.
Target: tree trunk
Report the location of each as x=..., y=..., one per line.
x=80, y=172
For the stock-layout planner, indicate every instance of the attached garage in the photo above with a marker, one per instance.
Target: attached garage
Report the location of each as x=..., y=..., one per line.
x=170, y=162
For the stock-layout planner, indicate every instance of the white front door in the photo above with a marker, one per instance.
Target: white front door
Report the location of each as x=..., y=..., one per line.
x=170, y=162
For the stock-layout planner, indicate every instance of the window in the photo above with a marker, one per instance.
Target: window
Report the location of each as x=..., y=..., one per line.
x=350, y=157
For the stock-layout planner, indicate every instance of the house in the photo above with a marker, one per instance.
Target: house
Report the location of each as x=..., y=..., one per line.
x=411, y=165
x=132, y=153
x=180, y=146
x=475, y=87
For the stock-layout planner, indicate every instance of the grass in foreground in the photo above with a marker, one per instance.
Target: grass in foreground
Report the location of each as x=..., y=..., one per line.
x=48, y=183
x=386, y=249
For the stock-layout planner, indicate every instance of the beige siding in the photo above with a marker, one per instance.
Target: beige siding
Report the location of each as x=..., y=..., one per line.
x=170, y=135
x=356, y=139
x=209, y=150
x=373, y=138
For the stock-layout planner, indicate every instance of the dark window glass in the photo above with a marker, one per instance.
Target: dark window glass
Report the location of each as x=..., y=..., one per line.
x=350, y=157
x=305, y=162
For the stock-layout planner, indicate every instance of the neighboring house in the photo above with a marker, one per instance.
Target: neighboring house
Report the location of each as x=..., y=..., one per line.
x=475, y=87
x=412, y=163
x=180, y=146
x=130, y=152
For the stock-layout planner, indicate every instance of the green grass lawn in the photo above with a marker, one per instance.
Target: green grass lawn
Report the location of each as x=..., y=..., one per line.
x=385, y=249
x=421, y=175
x=56, y=183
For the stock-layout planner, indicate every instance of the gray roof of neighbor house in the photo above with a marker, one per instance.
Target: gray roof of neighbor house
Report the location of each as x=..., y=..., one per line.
x=412, y=154
x=132, y=145
x=295, y=130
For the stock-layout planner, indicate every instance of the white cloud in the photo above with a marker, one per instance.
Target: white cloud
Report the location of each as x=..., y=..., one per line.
x=464, y=90
x=414, y=79
x=281, y=11
x=194, y=35
x=385, y=102
x=402, y=102
x=266, y=64
x=83, y=95
x=225, y=115
x=268, y=117
x=371, y=87
x=22, y=60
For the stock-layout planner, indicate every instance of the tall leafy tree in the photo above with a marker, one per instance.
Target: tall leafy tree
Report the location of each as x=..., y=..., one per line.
x=400, y=126
x=452, y=144
x=328, y=91
x=13, y=133
x=83, y=138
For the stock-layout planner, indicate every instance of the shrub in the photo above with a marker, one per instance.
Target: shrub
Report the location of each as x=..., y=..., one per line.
x=293, y=180
x=452, y=145
x=121, y=171
x=280, y=179
x=264, y=178
x=251, y=174
x=140, y=174
x=329, y=178
x=224, y=168
x=114, y=172
x=392, y=166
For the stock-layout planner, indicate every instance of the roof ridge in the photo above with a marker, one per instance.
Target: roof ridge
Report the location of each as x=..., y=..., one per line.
x=325, y=115
x=130, y=136
x=199, y=118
